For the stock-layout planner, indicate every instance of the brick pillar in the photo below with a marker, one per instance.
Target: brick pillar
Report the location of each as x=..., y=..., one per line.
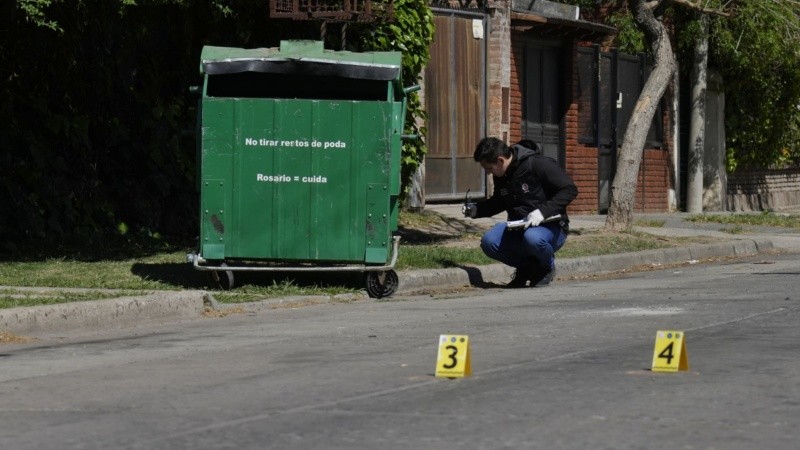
x=499, y=69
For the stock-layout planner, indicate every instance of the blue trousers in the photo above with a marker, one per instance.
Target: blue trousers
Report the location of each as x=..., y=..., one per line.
x=518, y=248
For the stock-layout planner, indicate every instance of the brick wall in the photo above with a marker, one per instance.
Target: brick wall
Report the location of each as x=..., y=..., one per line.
x=499, y=50
x=506, y=48
x=655, y=172
x=653, y=182
x=763, y=190
x=582, y=159
x=515, y=94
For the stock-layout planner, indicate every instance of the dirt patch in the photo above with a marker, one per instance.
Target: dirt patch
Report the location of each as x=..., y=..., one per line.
x=293, y=304
x=9, y=338
x=433, y=228
x=209, y=312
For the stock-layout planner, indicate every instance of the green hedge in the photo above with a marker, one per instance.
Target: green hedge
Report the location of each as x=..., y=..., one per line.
x=97, y=134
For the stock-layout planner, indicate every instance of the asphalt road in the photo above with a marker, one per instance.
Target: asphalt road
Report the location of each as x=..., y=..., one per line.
x=562, y=367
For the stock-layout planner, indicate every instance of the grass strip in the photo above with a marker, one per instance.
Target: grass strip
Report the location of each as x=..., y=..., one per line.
x=168, y=270
x=766, y=219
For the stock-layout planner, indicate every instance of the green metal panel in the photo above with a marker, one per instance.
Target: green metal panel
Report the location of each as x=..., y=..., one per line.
x=377, y=223
x=299, y=173
x=296, y=179
x=385, y=65
x=213, y=218
x=216, y=152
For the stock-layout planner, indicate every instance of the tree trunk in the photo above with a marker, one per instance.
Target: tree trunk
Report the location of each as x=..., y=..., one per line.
x=697, y=128
x=623, y=190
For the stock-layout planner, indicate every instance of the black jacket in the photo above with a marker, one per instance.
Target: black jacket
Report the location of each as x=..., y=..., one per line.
x=532, y=181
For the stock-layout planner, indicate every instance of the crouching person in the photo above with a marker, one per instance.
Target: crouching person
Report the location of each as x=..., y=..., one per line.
x=534, y=191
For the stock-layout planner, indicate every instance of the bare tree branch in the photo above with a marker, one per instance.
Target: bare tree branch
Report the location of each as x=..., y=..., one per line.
x=723, y=11
x=695, y=5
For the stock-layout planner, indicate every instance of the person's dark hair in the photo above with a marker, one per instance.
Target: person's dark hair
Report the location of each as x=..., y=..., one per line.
x=491, y=148
x=527, y=143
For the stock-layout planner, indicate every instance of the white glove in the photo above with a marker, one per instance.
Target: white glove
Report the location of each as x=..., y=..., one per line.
x=469, y=210
x=534, y=219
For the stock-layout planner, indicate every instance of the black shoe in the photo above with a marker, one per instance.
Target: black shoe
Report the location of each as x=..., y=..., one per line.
x=520, y=278
x=544, y=279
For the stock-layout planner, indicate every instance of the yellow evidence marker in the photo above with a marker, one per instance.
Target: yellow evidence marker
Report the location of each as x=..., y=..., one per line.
x=452, y=360
x=669, y=354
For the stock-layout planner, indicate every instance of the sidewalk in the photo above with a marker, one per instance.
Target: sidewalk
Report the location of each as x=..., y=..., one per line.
x=182, y=305
x=758, y=240
x=675, y=224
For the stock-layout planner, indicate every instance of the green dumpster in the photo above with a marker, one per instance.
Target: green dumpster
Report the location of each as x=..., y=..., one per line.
x=299, y=162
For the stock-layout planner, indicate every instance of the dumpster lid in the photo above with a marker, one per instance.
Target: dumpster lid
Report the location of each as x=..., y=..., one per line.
x=301, y=57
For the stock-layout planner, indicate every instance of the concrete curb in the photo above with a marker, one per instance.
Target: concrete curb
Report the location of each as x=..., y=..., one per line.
x=103, y=314
x=172, y=306
x=419, y=280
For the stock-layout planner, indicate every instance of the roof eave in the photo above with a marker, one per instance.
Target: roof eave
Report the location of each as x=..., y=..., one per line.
x=578, y=29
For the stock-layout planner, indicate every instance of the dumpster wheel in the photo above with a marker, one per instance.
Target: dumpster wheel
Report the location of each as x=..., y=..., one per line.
x=382, y=284
x=221, y=279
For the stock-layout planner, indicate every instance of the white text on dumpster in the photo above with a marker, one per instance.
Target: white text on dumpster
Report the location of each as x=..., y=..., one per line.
x=293, y=143
x=290, y=179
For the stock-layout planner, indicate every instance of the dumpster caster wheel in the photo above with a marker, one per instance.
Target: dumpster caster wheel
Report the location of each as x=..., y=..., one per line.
x=221, y=279
x=382, y=284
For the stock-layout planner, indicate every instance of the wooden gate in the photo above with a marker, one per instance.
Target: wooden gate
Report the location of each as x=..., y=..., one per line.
x=455, y=100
